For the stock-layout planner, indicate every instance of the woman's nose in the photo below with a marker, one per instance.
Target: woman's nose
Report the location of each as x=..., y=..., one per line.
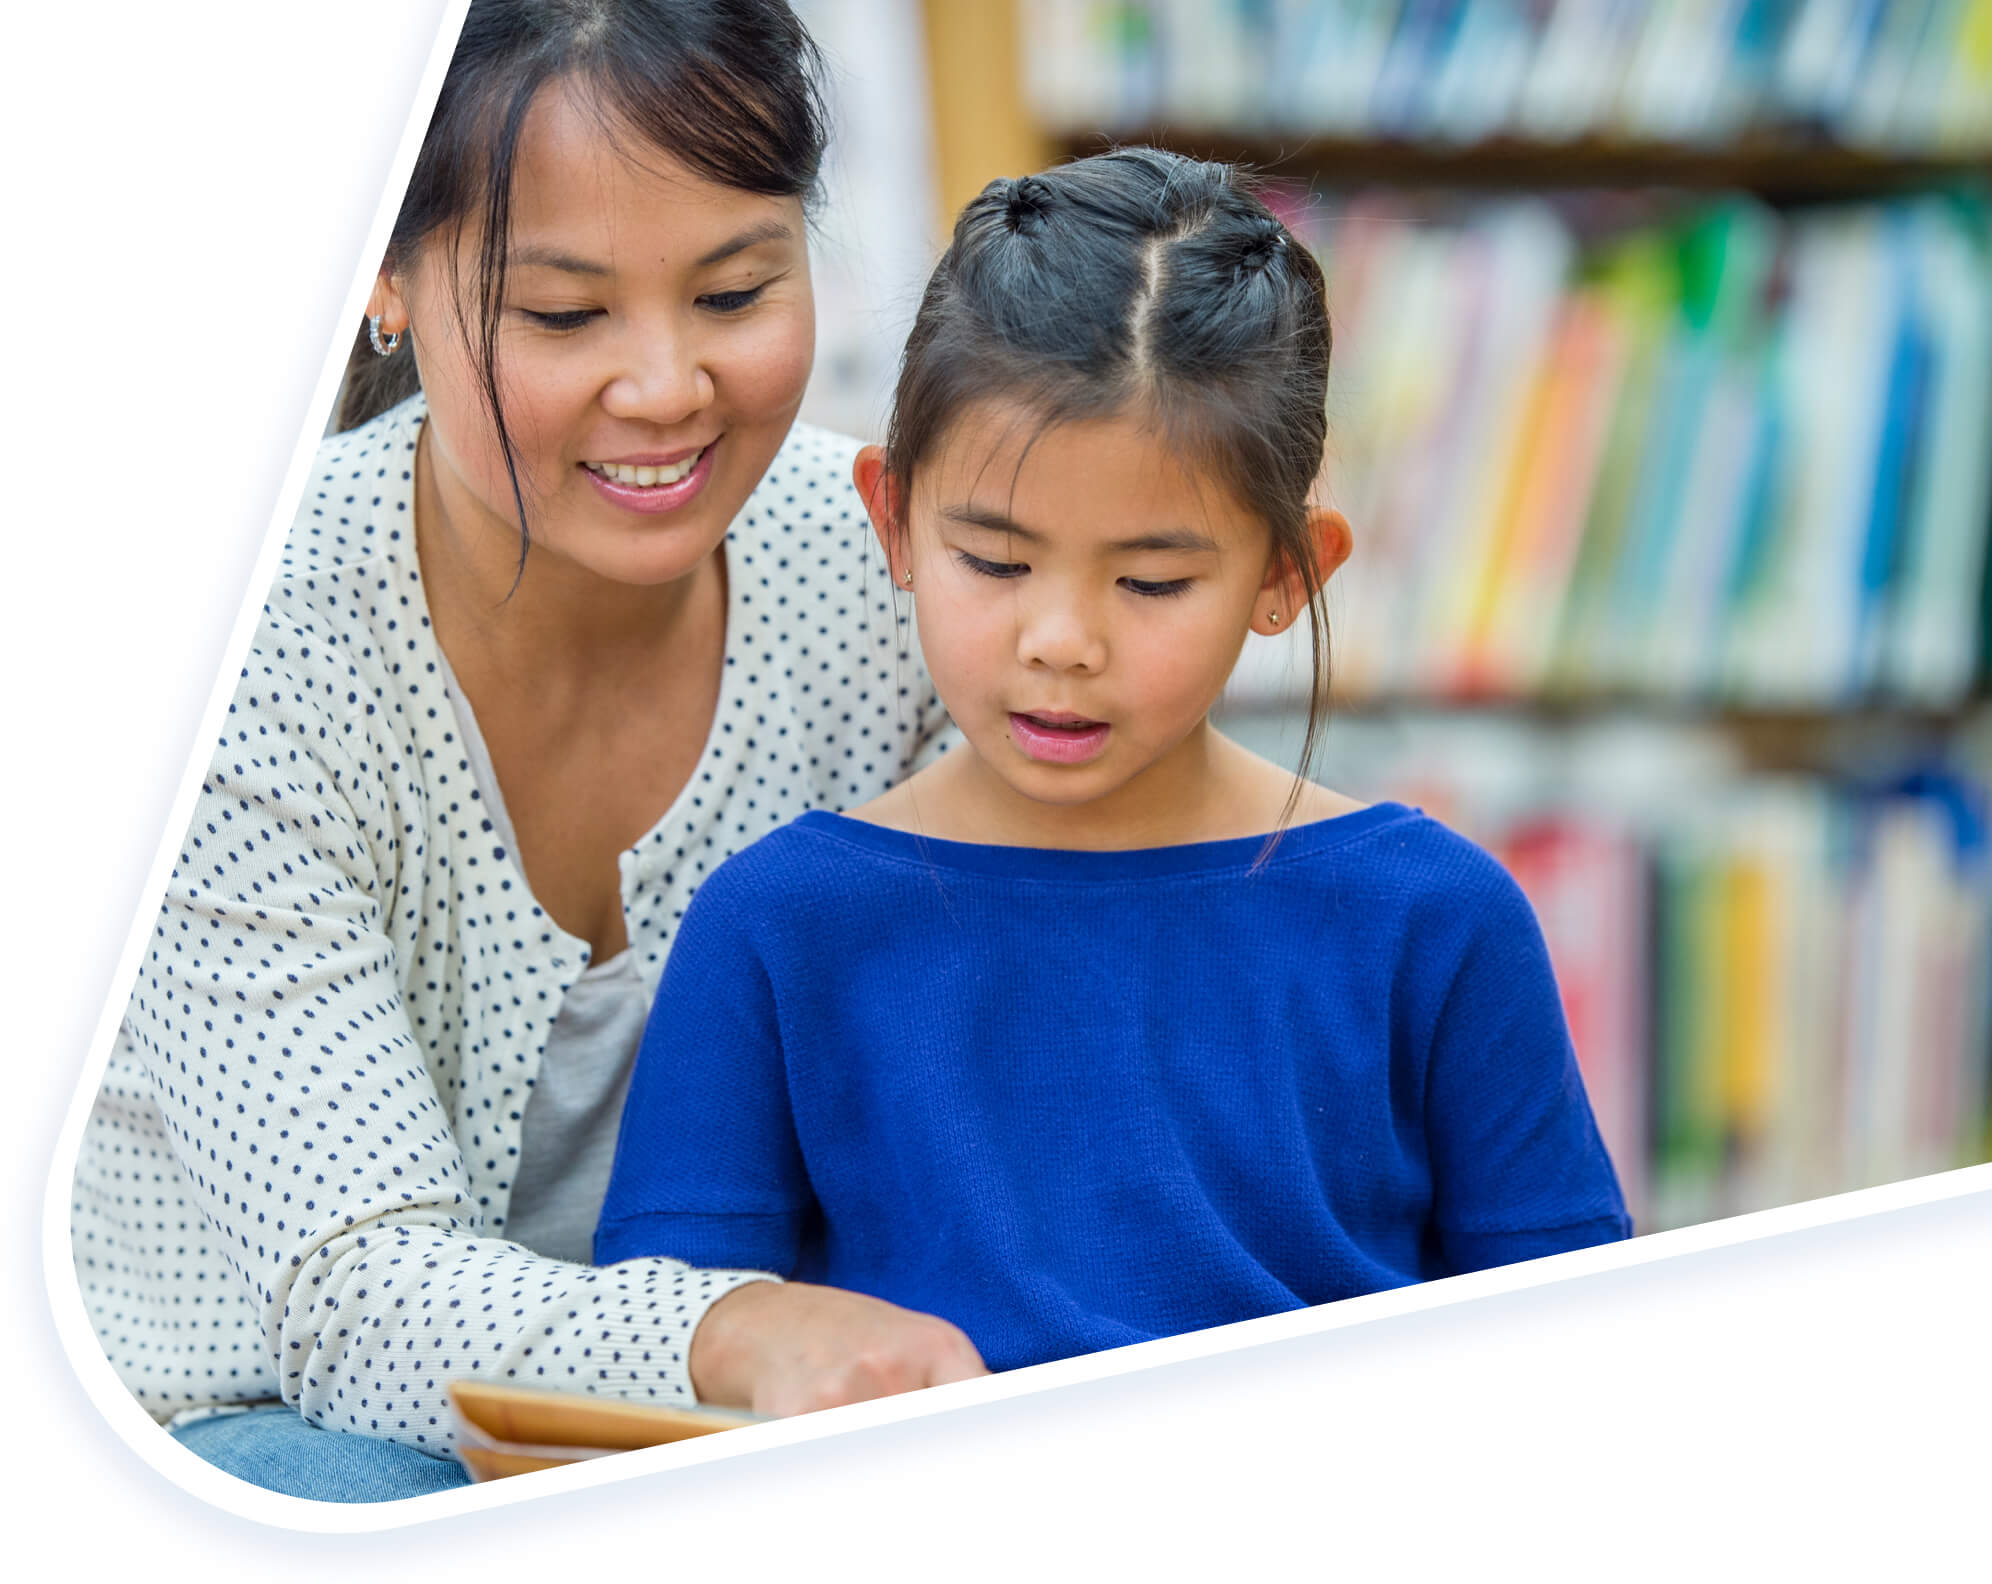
x=1059, y=634
x=661, y=380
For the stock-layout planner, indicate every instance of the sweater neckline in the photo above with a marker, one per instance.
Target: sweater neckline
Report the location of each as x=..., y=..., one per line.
x=1237, y=853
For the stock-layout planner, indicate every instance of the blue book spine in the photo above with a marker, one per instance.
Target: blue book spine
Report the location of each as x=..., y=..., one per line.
x=1894, y=474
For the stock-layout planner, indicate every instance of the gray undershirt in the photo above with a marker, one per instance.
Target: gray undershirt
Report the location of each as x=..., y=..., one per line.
x=567, y=1138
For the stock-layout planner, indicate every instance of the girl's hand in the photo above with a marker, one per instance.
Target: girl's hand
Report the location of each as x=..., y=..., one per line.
x=780, y=1348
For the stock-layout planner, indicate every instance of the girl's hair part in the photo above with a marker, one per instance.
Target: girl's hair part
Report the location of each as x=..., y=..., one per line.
x=732, y=89
x=1146, y=283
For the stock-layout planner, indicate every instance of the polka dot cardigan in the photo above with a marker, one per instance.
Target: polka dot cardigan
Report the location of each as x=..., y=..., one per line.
x=295, y=1179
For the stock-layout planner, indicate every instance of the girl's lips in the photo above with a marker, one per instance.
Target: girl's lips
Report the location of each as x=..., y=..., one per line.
x=652, y=498
x=1055, y=741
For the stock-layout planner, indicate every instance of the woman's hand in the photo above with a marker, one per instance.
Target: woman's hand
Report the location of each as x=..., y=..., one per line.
x=781, y=1348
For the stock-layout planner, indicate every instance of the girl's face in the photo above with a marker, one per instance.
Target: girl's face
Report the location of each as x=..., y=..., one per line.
x=656, y=336
x=1080, y=604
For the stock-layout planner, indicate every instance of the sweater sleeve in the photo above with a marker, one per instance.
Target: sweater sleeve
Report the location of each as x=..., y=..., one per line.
x=317, y=1143
x=1518, y=1167
x=708, y=1168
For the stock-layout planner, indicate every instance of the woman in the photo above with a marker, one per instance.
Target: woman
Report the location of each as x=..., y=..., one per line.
x=551, y=639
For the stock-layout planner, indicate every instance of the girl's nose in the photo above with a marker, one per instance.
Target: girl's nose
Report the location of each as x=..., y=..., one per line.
x=661, y=380
x=1059, y=635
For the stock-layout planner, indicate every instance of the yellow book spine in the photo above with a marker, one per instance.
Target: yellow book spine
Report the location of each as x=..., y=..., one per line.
x=1748, y=1066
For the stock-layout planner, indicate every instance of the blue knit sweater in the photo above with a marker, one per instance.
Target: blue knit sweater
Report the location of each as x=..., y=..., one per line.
x=1073, y=1100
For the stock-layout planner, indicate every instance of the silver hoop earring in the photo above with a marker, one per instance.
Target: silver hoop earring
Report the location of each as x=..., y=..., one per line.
x=381, y=345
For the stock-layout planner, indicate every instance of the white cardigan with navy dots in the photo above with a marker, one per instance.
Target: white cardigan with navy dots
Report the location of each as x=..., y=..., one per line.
x=295, y=1179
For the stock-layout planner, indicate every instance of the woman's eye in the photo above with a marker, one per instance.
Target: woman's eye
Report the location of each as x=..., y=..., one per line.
x=567, y=319
x=731, y=301
x=1156, y=590
x=995, y=569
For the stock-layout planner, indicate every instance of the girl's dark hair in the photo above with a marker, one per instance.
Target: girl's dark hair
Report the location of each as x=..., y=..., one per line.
x=730, y=88
x=1138, y=282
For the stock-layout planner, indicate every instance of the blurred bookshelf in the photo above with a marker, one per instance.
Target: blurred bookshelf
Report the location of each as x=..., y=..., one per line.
x=1662, y=410
x=1777, y=170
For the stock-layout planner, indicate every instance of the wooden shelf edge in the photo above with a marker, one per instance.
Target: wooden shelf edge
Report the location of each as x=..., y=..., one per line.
x=1776, y=170
x=1870, y=715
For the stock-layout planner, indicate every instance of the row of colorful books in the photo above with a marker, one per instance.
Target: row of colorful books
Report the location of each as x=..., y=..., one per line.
x=1899, y=75
x=1737, y=458
x=1777, y=990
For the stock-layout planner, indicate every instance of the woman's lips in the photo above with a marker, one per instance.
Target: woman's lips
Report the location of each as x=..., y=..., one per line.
x=1058, y=739
x=652, y=498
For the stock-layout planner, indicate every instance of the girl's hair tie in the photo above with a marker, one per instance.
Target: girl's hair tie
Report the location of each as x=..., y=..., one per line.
x=1265, y=242
x=1028, y=203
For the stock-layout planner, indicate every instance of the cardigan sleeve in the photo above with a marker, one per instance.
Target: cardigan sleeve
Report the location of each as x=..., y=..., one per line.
x=321, y=1148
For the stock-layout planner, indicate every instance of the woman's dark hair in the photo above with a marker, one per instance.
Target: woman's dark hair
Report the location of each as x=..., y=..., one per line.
x=730, y=88
x=1137, y=282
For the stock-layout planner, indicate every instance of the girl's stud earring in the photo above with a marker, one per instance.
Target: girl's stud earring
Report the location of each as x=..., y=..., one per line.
x=381, y=344
x=1273, y=617
x=906, y=577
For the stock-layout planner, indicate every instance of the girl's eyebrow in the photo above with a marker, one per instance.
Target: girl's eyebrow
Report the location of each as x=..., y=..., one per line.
x=996, y=522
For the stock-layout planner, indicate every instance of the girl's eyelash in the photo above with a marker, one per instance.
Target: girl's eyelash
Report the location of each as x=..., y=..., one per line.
x=568, y=319
x=995, y=569
x=1011, y=569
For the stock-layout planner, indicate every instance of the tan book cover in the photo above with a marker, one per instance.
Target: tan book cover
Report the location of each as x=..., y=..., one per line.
x=505, y=1430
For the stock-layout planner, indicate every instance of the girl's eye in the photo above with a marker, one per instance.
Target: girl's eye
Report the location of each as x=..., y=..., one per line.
x=731, y=301
x=995, y=569
x=569, y=319
x=1156, y=590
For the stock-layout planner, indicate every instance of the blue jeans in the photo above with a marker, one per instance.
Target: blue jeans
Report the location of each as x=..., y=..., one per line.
x=276, y=1448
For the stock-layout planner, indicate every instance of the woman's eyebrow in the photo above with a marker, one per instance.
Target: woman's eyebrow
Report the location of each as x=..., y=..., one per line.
x=766, y=231
x=1166, y=539
x=534, y=257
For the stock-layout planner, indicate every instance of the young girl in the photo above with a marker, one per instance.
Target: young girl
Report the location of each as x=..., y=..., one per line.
x=1102, y=1028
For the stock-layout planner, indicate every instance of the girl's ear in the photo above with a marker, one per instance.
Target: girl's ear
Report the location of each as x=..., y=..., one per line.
x=882, y=504
x=1283, y=596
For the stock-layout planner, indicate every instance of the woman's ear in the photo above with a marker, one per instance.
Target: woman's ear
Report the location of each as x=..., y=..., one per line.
x=881, y=497
x=1283, y=596
x=386, y=303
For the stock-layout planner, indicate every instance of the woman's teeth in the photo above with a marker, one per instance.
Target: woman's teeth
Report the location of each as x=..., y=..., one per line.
x=670, y=473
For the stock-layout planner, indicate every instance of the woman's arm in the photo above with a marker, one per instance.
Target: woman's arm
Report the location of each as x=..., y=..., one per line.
x=792, y=1347
x=318, y=1131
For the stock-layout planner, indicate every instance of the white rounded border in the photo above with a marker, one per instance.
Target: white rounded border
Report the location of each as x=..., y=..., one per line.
x=227, y=1494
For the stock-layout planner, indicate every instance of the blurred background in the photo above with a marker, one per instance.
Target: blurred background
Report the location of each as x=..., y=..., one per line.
x=1662, y=411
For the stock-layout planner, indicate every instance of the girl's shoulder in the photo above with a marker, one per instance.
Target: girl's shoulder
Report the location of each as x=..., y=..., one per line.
x=1415, y=891
x=1389, y=850
x=1413, y=857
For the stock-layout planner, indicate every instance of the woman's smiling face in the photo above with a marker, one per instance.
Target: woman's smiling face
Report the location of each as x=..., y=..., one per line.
x=655, y=337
